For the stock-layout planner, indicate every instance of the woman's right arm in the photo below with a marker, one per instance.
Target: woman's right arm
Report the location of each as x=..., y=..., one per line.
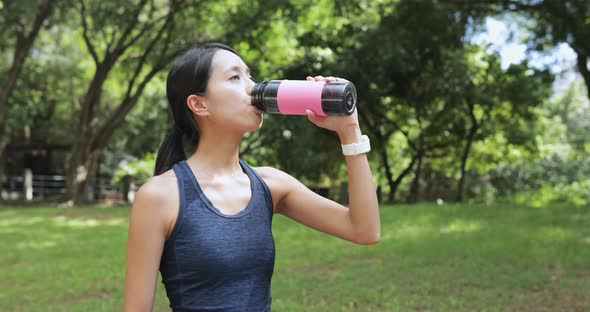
x=151, y=219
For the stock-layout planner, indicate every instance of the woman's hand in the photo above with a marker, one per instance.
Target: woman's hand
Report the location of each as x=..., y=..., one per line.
x=345, y=126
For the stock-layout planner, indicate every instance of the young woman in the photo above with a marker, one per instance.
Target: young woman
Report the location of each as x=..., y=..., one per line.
x=205, y=222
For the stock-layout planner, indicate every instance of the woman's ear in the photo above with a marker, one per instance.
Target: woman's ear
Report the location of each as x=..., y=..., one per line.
x=197, y=105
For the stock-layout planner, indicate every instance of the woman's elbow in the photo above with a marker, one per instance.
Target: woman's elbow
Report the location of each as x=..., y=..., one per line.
x=370, y=239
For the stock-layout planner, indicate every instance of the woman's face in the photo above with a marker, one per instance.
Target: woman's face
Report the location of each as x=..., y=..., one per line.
x=228, y=94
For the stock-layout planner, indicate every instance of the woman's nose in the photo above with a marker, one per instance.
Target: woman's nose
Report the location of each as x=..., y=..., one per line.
x=250, y=86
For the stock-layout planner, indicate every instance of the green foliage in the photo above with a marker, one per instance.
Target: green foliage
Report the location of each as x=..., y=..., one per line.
x=146, y=125
x=138, y=170
x=421, y=87
x=45, y=93
x=559, y=167
x=576, y=194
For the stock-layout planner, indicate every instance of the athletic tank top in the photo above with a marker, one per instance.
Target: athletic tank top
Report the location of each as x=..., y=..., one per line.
x=217, y=262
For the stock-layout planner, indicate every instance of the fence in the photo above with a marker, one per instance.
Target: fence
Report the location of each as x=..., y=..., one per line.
x=35, y=186
x=47, y=187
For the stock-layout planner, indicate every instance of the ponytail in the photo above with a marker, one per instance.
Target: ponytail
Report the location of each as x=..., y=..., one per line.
x=171, y=151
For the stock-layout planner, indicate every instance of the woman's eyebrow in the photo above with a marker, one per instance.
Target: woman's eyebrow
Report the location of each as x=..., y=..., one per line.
x=238, y=68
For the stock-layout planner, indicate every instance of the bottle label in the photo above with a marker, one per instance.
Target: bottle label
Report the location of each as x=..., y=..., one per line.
x=295, y=96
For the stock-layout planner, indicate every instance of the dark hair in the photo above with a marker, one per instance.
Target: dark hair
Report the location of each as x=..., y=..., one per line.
x=189, y=75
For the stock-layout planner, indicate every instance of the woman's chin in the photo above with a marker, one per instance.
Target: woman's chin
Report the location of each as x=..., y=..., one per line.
x=255, y=126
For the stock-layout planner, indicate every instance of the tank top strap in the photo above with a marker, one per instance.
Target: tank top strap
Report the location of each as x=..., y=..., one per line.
x=187, y=194
x=263, y=187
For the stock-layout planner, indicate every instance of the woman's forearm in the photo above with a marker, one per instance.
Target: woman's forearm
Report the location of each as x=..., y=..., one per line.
x=363, y=204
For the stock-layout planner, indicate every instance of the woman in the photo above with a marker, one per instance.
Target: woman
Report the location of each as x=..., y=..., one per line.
x=205, y=222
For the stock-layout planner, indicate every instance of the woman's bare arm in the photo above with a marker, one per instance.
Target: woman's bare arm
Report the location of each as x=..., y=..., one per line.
x=361, y=222
x=153, y=213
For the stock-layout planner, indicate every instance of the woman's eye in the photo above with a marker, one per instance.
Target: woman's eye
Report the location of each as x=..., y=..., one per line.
x=234, y=77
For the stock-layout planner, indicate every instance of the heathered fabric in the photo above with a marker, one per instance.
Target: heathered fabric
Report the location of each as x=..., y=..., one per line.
x=218, y=262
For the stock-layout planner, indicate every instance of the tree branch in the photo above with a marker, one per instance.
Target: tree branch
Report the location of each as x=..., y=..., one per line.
x=121, y=46
x=19, y=31
x=118, y=116
x=582, y=61
x=89, y=44
x=147, y=51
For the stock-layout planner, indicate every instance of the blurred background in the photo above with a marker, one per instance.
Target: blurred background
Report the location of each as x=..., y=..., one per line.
x=463, y=100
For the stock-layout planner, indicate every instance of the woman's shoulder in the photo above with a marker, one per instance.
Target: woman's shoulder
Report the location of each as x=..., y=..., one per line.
x=160, y=188
x=156, y=205
x=159, y=195
x=267, y=172
x=275, y=178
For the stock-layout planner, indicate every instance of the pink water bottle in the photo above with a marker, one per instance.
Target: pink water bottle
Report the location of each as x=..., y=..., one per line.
x=294, y=97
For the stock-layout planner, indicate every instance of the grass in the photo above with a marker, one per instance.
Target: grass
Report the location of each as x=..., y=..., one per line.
x=430, y=258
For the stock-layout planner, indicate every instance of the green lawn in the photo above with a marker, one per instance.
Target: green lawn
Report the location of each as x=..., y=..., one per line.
x=431, y=258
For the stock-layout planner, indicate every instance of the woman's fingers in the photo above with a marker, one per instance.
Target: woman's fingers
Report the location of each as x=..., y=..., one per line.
x=326, y=79
x=314, y=118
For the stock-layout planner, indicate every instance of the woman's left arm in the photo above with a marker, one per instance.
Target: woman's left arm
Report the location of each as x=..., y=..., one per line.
x=360, y=223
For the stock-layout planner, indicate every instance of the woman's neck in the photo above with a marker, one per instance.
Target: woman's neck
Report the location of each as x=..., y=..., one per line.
x=217, y=155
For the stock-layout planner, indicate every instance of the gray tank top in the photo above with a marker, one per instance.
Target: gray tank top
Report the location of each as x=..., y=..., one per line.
x=218, y=262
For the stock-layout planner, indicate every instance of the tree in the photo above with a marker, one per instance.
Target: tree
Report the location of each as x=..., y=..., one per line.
x=138, y=38
x=17, y=17
x=410, y=53
x=137, y=35
x=550, y=22
x=560, y=21
x=500, y=100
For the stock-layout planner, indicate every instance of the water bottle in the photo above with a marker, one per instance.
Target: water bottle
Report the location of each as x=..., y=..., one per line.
x=294, y=97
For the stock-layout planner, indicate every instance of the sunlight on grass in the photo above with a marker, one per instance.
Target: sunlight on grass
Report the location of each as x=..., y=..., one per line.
x=8, y=213
x=425, y=226
x=554, y=233
x=580, y=217
x=35, y=245
x=86, y=222
x=461, y=226
x=408, y=230
x=8, y=230
x=426, y=219
x=20, y=221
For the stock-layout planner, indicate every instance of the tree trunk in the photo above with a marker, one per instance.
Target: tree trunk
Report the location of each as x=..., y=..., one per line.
x=415, y=189
x=3, y=143
x=582, y=61
x=83, y=155
x=90, y=146
x=20, y=54
x=388, y=175
x=82, y=164
x=395, y=184
x=469, y=143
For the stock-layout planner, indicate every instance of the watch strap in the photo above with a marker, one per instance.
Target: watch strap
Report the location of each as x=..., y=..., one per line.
x=354, y=149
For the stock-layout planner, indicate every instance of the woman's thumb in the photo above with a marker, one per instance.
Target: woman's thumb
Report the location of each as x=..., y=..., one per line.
x=311, y=115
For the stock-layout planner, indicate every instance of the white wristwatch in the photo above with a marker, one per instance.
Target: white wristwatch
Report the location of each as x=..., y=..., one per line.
x=357, y=148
